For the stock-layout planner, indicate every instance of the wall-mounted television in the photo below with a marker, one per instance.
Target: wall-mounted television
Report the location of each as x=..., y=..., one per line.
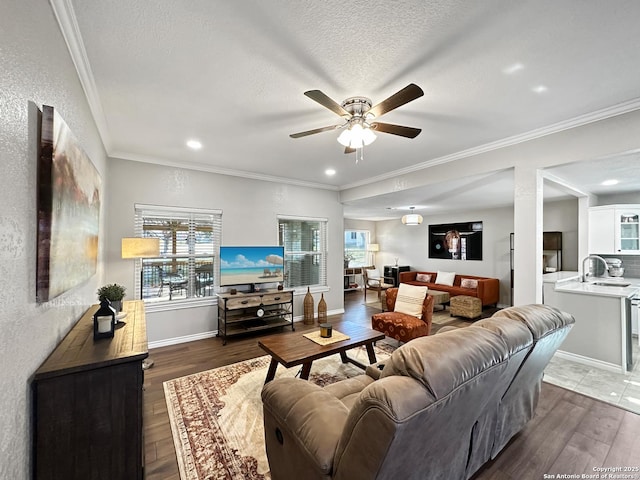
x=251, y=265
x=456, y=241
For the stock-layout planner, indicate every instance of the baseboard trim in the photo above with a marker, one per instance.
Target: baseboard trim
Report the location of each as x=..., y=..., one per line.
x=184, y=339
x=201, y=336
x=590, y=362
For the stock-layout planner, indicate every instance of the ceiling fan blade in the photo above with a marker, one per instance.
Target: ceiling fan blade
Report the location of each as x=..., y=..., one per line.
x=315, y=130
x=406, y=95
x=327, y=102
x=349, y=150
x=408, y=132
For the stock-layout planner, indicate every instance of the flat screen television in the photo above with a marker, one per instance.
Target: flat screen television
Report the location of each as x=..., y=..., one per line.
x=251, y=265
x=456, y=241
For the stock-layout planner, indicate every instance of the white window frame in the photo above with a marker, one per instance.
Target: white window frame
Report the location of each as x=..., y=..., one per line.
x=367, y=254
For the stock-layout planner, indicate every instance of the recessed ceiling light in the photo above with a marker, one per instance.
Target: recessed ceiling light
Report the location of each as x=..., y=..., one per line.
x=330, y=171
x=540, y=89
x=511, y=69
x=610, y=182
x=194, y=144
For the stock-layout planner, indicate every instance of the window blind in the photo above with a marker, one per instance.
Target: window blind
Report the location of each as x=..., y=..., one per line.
x=189, y=244
x=305, y=250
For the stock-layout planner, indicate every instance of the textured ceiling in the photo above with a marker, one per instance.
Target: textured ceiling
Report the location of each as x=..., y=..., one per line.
x=233, y=74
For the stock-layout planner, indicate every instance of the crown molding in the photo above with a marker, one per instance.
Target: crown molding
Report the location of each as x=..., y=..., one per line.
x=66, y=18
x=201, y=167
x=579, y=121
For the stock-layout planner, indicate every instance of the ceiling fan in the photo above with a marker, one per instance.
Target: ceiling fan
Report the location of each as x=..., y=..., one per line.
x=358, y=113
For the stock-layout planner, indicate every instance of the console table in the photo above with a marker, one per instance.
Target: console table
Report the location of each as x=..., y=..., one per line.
x=87, y=403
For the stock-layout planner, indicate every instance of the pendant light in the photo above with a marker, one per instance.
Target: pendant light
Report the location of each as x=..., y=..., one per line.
x=412, y=218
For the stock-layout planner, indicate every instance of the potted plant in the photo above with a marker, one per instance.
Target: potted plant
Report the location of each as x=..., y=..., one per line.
x=114, y=293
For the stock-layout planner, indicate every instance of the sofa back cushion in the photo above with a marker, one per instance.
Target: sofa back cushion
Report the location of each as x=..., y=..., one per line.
x=410, y=299
x=441, y=363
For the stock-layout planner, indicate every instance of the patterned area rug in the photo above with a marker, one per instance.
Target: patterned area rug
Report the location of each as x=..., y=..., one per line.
x=216, y=416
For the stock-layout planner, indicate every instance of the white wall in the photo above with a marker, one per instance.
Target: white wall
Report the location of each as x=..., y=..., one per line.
x=250, y=209
x=621, y=198
x=410, y=244
x=34, y=66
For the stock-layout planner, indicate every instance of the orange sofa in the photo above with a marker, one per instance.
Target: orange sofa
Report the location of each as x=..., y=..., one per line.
x=488, y=289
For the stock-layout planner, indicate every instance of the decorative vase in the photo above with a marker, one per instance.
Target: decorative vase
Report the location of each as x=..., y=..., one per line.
x=308, y=308
x=322, y=309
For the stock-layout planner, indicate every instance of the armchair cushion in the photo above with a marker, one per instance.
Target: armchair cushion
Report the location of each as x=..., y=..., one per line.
x=409, y=300
x=373, y=277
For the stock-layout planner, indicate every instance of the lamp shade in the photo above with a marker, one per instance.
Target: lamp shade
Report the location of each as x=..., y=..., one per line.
x=412, y=219
x=137, y=247
x=373, y=247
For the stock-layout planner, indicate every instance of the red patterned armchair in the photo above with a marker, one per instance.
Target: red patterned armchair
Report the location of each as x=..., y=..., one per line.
x=401, y=326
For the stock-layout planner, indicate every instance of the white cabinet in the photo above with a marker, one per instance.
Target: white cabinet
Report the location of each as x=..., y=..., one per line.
x=614, y=229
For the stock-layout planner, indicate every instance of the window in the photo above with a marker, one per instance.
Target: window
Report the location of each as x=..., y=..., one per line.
x=355, y=248
x=187, y=267
x=305, y=250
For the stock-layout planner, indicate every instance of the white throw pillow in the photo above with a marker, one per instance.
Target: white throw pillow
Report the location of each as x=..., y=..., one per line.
x=410, y=299
x=373, y=275
x=445, y=278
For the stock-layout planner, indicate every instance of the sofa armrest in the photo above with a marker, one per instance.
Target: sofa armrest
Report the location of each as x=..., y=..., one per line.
x=404, y=277
x=303, y=422
x=375, y=369
x=488, y=291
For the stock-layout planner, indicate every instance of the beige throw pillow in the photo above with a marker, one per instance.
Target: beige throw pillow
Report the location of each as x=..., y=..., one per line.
x=423, y=277
x=469, y=283
x=445, y=278
x=410, y=299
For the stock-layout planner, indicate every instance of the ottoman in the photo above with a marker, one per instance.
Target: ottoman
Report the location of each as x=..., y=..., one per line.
x=465, y=306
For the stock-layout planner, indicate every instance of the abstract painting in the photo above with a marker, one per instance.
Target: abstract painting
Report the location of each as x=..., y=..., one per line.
x=69, y=197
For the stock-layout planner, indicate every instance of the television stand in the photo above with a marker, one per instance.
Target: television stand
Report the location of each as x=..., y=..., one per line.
x=242, y=313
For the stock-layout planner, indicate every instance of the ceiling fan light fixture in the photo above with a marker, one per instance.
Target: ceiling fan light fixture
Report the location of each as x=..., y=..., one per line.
x=345, y=138
x=412, y=218
x=368, y=137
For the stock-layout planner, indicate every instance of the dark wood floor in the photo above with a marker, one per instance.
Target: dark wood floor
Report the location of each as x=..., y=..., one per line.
x=570, y=434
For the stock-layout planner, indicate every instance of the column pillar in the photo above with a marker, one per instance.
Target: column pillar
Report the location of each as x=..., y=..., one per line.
x=527, y=228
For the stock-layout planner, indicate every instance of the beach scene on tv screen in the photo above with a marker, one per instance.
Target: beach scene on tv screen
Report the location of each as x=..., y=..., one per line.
x=242, y=265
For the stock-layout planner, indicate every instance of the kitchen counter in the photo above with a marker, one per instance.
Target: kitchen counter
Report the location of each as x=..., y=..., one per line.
x=574, y=285
x=601, y=335
x=559, y=276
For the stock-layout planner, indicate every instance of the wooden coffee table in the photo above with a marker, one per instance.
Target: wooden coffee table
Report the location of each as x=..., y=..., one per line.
x=294, y=349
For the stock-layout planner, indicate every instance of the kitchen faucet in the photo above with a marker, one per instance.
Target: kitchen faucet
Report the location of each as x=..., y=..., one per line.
x=593, y=257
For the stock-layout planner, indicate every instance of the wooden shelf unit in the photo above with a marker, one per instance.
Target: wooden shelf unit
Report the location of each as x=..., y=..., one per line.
x=87, y=403
x=251, y=312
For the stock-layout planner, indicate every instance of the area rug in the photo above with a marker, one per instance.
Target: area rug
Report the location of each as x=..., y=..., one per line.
x=216, y=416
